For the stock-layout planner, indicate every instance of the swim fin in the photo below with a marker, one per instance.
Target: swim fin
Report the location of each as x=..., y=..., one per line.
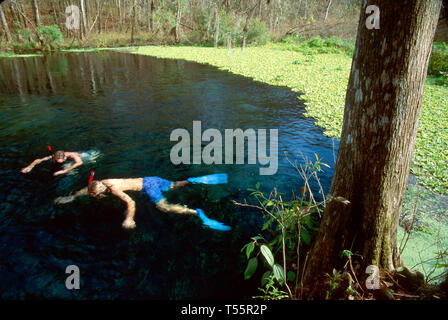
x=213, y=224
x=210, y=179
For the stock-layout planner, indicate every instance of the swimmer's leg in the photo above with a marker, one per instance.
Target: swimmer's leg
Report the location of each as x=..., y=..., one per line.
x=179, y=184
x=216, y=178
x=213, y=224
x=165, y=206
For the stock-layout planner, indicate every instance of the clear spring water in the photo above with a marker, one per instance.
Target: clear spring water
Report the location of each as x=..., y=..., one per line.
x=126, y=106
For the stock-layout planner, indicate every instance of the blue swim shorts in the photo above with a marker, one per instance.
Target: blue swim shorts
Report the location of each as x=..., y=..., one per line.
x=154, y=186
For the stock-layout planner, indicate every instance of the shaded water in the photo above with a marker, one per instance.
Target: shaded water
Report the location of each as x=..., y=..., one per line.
x=126, y=106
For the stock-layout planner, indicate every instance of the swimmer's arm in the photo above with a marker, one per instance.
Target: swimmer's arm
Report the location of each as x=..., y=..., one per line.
x=34, y=163
x=128, y=222
x=165, y=206
x=70, y=198
x=78, y=162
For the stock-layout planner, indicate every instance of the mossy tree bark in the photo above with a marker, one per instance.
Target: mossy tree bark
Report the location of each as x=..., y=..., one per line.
x=382, y=108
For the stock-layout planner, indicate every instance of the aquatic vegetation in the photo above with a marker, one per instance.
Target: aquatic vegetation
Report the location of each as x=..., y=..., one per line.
x=321, y=79
x=422, y=234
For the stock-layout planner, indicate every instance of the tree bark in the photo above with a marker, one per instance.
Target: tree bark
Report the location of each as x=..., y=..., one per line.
x=246, y=26
x=21, y=10
x=5, y=25
x=14, y=14
x=381, y=114
x=328, y=9
x=98, y=10
x=134, y=18
x=83, y=20
x=55, y=15
x=119, y=13
x=87, y=14
x=178, y=21
x=151, y=15
x=36, y=12
x=216, y=27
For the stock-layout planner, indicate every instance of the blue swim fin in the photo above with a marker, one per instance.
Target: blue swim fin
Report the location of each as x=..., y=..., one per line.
x=210, y=179
x=213, y=224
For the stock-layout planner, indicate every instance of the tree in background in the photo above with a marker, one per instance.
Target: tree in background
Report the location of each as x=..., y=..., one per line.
x=382, y=109
x=5, y=24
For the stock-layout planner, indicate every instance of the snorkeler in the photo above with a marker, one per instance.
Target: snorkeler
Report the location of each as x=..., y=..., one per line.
x=153, y=187
x=58, y=157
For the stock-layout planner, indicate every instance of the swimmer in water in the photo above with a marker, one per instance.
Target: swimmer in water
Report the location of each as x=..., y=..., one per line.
x=153, y=187
x=58, y=157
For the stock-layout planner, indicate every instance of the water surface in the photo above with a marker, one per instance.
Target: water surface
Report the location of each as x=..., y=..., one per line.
x=126, y=106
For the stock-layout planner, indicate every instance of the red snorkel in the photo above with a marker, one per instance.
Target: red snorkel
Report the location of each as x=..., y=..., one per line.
x=49, y=148
x=91, y=177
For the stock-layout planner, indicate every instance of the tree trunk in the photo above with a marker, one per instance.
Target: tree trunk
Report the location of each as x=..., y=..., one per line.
x=21, y=10
x=83, y=20
x=98, y=10
x=134, y=17
x=36, y=12
x=382, y=108
x=5, y=24
x=14, y=14
x=55, y=15
x=328, y=9
x=151, y=15
x=119, y=13
x=178, y=21
x=216, y=38
x=246, y=25
x=87, y=14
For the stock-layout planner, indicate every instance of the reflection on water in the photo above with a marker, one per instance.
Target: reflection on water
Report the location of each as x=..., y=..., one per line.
x=126, y=106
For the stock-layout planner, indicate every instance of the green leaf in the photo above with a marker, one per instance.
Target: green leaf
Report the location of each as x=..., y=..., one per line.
x=267, y=254
x=251, y=268
x=257, y=185
x=249, y=249
x=270, y=203
x=346, y=253
x=290, y=276
x=267, y=224
x=265, y=278
x=305, y=236
x=278, y=273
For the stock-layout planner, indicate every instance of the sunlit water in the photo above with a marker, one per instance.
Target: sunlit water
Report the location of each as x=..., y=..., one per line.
x=126, y=106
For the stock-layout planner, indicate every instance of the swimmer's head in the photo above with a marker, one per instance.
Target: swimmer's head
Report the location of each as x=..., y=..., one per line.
x=59, y=156
x=97, y=189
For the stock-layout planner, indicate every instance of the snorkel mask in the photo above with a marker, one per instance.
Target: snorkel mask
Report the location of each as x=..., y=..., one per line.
x=99, y=186
x=57, y=155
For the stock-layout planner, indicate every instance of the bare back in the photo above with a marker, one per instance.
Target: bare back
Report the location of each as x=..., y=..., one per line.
x=132, y=184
